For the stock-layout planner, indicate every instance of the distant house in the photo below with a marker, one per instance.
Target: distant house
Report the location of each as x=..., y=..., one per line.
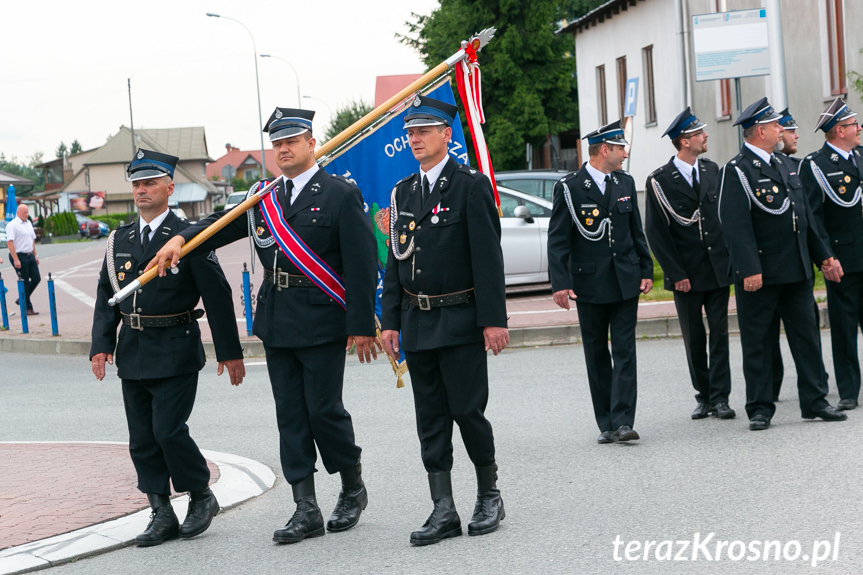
x=95, y=181
x=7, y=179
x=237, y=163
x=625, y=39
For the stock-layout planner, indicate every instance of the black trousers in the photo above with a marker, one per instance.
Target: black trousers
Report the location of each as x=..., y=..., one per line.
x=612, y=377
x=307, y=388
x=29, y=272
x=778, y=368
x=845, y=308
x=159, y=440
x=758, y=332
x=711, y=377
x=450, y=384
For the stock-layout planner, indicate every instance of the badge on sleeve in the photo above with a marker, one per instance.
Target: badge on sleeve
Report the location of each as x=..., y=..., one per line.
x=127, y=266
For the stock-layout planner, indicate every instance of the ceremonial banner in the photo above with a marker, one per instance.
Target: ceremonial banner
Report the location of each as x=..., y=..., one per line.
x=377, y=162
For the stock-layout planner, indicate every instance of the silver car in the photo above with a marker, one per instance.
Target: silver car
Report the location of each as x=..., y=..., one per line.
x=524, y=235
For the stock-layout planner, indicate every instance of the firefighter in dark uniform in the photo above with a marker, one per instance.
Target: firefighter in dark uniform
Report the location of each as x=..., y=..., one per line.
x=159, y=351
x=444, y=292
x=772, y=241
x=786, y=149
x=832, y=178
x=305, y=328
x=682, y=226
x=598, y=256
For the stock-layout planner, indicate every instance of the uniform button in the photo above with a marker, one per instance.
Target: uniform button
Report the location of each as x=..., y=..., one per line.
x=314, y=220
x=709, y=248
x=419, y=227
x=140, y=310
x=187, y=332
x=614, y=253
x=612, y=241
x=419, y=272
x=706, y=233
x=140, y=291
x=418, y=249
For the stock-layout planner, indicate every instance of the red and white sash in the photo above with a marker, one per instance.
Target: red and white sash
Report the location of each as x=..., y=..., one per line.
x=299, y=253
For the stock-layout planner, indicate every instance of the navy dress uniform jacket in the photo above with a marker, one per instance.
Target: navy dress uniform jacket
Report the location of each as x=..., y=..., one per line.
x=459, y=252
x=759, y=242
x=607, y=270
x=843, y=226
x=161, y=352
x=696, y=252
x=329, y=216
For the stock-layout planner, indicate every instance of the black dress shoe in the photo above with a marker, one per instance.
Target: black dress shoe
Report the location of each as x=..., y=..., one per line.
x=625, y=433
x=353, y=498
x=202, y=508
x=846, y=404
x=701, y=411
x=32, y=312
x=828, y=413
x=163, y=524
x=306, y=522
x=759, y=423
x=723, y=411
x=605, y=437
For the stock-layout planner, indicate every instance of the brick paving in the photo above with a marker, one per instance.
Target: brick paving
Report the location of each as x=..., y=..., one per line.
x=51, y=488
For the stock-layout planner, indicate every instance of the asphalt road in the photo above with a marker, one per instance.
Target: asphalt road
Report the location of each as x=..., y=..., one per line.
x=567, y=498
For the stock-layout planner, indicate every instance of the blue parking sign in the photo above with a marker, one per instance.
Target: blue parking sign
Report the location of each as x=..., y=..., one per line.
x=631, y=94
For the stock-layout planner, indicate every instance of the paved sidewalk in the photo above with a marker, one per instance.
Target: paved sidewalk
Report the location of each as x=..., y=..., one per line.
x=61, y=501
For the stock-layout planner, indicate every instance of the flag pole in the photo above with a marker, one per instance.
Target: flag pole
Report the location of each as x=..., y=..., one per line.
x=480, y=40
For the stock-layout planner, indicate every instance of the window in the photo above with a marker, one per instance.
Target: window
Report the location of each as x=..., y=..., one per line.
x=724, y=99
x=507, y=205
x=600, y=95
x=649, y=94
x=836, y=47
x=621, y=85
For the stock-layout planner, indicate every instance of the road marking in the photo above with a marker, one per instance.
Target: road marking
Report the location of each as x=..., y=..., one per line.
x=66, y=272
x=75, y=293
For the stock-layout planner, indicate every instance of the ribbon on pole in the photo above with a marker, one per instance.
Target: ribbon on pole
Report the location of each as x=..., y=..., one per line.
x=469, y=82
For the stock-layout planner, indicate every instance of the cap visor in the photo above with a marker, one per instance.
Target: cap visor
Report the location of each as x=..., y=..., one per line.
x=145, y=175
x=288, y=132
x=418, y=122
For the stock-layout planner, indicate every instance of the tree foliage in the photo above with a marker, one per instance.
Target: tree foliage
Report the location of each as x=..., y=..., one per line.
x=528, y=72
x=61, y=150
x=25, y=170
x=345, y=116
x=75, y=148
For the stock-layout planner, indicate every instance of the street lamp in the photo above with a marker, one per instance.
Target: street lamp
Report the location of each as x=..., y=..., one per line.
x=257, y=85
x=329, y=110
x=297, y=76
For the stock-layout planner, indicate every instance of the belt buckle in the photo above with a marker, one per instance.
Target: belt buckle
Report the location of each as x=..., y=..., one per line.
x=425, y=303
x=278, y=279
x=135, y=321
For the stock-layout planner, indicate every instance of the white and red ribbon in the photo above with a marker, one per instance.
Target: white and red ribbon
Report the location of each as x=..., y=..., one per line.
x=469, y=83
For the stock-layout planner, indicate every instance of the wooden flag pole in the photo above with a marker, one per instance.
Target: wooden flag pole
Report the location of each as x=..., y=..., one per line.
x=355, y=128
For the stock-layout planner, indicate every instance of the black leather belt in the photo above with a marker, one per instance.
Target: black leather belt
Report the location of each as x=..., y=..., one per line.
x=139, y=322
x=427, y=302
x=287, y=280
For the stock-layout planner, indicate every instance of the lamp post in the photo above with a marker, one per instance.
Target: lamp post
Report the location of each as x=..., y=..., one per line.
x=257, y=85
x=297, y=76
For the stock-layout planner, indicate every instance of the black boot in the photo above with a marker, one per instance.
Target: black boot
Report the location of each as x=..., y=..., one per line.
x=163, y=522
x=307, y=520
x=353, y=498
x=488, y=511
x=202, y=508
x=443, y=521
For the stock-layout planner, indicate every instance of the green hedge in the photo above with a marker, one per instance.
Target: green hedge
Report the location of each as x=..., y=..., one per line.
x=63, y=224
x=114, y=220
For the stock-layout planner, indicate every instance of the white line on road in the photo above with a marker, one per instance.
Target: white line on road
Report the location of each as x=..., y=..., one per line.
x=75, y=292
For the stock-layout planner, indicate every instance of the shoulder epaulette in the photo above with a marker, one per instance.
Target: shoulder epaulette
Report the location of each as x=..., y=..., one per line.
x=471, y=171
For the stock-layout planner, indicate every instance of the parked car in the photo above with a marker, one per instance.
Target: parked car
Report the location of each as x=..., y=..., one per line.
x=2, y=233
x=539, y=183
x=235, y=199
x=524, y=235
x=89, y=228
